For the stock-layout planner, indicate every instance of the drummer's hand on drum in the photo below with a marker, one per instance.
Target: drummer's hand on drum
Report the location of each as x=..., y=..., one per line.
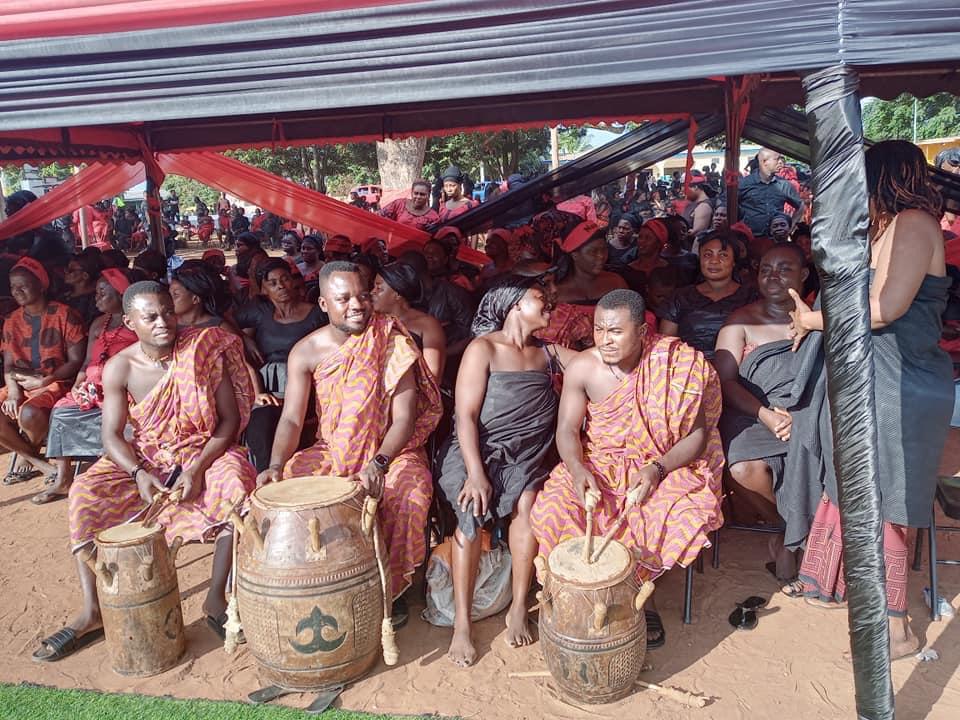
x=477, y=490
x=148, y=485
x=270, y=475
x=372, y=478
x=582, y=480
x=646, y=478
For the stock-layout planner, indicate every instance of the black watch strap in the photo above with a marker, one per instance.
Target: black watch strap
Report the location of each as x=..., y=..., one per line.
x=382, y=462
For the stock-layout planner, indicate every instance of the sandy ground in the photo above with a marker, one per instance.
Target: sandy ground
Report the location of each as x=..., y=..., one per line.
x=792, y=666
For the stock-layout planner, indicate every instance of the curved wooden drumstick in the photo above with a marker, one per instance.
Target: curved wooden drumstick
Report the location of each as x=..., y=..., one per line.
x=632, y=498
x=388, y=636
x=591, y=498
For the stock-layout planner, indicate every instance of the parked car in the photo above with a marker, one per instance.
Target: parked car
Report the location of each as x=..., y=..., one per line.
x=483, y=190
x=370, y=193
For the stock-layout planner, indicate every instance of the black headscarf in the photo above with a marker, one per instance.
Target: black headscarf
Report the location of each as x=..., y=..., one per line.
x=403, y=280
x=452, y=173
x=497, y=303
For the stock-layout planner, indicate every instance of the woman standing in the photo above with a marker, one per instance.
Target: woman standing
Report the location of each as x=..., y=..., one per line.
x=310, y=263
x=914, y=385
x=396, y=289
x=415, y=211
x=696, y=313
x=452, y=201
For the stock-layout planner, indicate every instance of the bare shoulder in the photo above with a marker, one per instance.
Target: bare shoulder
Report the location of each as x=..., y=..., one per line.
x=582, y=364
x=117, y=368
x=312, y=348
x=611, y=281
x=745, y=315
x=918, y=223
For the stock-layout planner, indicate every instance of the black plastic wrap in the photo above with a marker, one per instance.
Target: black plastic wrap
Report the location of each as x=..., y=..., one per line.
x=647, y=145
x=842, y=254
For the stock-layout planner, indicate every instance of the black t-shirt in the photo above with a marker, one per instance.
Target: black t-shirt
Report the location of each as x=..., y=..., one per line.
x=699, y=318
x=276, y=339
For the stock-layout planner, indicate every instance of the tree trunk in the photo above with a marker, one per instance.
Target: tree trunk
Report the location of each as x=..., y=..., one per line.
x=320, y=168
x=400, y=162
x=307, y=172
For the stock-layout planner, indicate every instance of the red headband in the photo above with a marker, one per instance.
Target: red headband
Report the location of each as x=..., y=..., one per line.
x=36, y=269
x=118, y=281
x=659, y=229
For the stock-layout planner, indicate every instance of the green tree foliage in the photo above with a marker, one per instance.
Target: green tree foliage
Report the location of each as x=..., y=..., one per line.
x=937, y=116
x=502, y=153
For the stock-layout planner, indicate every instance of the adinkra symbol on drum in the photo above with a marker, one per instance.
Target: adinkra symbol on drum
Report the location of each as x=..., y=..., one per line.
x=317, y=621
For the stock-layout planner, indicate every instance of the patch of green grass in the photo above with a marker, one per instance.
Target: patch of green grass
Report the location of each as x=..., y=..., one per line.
x=32, y=702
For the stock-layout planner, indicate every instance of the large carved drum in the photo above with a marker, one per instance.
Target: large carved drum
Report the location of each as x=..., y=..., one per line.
x=139, y=599
x=592, y=627
x=308, y=588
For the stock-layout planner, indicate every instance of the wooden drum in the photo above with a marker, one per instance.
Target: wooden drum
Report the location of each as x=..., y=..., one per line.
x=139, y=599
x=308, y=586
x=592, y=625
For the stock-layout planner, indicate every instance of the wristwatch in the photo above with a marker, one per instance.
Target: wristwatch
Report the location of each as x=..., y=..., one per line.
x=382, y=462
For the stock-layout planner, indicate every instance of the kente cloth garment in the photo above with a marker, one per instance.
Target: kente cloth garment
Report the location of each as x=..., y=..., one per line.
x=171, y=425
x=914, y=398
x=821, y=571
x=354, y=388
x=517, y=423
x=648, y=413
x=397, y=210
x=571, y=325
x=40, y=344
x=767, y=371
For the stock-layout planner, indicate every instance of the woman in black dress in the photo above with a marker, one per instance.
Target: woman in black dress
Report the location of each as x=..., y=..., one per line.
x=696, y=313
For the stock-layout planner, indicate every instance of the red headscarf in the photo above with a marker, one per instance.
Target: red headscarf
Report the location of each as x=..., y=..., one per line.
x=36, y=269
x=659, y=228
x=117, y=279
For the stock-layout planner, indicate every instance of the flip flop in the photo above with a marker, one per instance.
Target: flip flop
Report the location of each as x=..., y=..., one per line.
x=744, y=617
x=15, y=477
x=47, y=496
x=793, y=589
x=655, y=623
x=64, y=642
x=217, y=625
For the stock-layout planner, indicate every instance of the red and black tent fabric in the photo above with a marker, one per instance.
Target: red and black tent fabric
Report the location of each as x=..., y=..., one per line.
x=216, y=74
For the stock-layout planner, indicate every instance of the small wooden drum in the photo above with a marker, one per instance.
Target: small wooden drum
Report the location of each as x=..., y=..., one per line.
x=139, y=599
x=308, y=586
x=592, y=625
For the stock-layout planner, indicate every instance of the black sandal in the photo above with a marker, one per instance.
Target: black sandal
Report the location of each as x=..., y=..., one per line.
x=218, y=625
x=655, y=624
x=745, y=616
x=64, y=642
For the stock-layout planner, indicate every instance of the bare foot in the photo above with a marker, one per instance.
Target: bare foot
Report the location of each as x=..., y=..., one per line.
x=86, y=622
x=214, y=608
x=903, y=643
x=462, y=653
x=826, y=604
x=518, y=630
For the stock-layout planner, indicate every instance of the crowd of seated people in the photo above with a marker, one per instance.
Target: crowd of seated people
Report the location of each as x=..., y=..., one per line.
x=678, y=344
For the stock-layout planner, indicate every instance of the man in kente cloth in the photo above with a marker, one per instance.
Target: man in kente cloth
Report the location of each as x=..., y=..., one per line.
x=187, y=398
x=757, y=369
x=650, y=406
x=501, y=450
x=377, y=404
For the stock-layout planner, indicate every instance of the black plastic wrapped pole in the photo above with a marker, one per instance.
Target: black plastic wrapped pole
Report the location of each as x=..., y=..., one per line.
x=842, y=254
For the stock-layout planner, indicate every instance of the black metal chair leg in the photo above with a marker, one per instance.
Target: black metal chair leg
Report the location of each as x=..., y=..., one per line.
x=700, y=562
x=716, y=549
x=918, y=550
x=934, y=597
x=688, y=597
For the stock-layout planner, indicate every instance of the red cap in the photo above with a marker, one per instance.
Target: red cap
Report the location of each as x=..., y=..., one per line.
x=581, y=235
x=338, y=244
x=117, y=279
x=448, y=230
x=36, y=269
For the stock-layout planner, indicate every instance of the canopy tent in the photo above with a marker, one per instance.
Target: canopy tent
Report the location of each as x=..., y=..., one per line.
x=277, y=71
